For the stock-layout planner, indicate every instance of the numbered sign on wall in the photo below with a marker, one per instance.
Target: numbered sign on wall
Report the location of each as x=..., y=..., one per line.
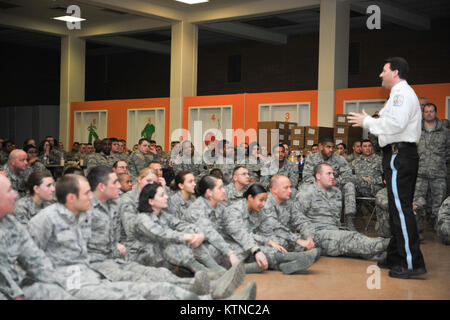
x=288, y=112
x=90, y=125
x=146, y=123
x=214, y=122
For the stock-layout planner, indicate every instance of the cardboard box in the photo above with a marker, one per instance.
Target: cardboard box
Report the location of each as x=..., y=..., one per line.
x=318, y=133
x=309, y=141
x=341, y=120
x=297, y=131
x=347, y=140
x=347, y=131
x=297, y=144
x=265, y=137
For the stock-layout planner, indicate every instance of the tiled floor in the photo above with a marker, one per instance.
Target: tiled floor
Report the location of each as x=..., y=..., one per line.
x=346, y=278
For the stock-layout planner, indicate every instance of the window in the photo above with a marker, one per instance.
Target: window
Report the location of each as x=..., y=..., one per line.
x=287, y=112
x=370, y=106
x=90, y=125
x=148, y=123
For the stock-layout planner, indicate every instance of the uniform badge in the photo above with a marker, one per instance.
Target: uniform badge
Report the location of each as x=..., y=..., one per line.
x=398, y=100
x=141, y=157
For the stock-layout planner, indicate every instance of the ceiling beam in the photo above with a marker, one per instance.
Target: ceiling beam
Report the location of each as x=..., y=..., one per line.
x=52, y=27
x=127, y=42
x=122, y=27
x=140, y=8
x=246, y=31
x=397, y=15
x=249, y=9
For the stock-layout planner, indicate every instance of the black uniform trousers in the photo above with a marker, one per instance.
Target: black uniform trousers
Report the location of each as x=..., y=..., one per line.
x=400, y=165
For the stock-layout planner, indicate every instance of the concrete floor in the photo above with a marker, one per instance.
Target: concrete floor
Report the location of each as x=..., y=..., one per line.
x=344, y=278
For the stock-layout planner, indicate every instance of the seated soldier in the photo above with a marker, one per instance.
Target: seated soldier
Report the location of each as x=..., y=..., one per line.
x=21, y=257
x=183, y=188
x=202, y=212
x=254, y=162
x=368, y=171
x=236, y=189
x=343, y=175
x=126, y=184
x=319, y=207
x=279, y=165
x=189, y=160
x=107, y=255
x=253, y=236
x=17, y=171
x=63, y=231
x=41, y=188
x=101, y=158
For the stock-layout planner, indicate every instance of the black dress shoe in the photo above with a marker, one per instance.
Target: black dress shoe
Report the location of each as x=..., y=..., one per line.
x=383, y=264
x=403, y=273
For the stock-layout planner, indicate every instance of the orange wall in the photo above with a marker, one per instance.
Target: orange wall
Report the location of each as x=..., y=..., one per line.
x=117, y=114
x=435, y=93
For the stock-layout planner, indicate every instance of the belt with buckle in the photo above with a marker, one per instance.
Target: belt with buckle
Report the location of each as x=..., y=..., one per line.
x=399, y=145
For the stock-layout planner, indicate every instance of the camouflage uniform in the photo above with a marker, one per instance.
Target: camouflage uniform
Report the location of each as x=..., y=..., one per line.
x=55, y=156
x=254, y=167
x=148, y=254
x=368, y=167
x=232, y=194
x=206, y=218
x=178, y=205
x=226, y=165
x=99, y=159
x=443, y=222
x=382, y=226
x=18, y=247
x=351, y=157
x=166, y=232
x=18, y=180
x=342, y=174
x=3, y=157
x=283, y=212
x=105, y=257
x=322, y=208
x=73, y=156
x=374, y=140
x=64, y=238
x=118, y=156
x=271, y=168
x=193, y=164
x=247, y=231
x=434, y=152
x=136, y=162
x=38, y=166
x=25, y=209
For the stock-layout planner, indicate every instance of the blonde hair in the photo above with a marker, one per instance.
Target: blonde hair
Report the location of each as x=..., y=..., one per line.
x=146, y=171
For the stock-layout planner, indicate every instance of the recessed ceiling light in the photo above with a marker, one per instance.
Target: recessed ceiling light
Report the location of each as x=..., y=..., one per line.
x=69, y=18
x=192, y=1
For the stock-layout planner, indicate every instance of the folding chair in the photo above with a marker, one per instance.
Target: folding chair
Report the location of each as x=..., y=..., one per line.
x=369, y=199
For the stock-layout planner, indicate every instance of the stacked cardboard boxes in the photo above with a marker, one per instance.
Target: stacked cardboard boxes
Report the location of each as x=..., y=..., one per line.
x=270, y=130
x=314, y=134
x=297, y=138
x=344, y=132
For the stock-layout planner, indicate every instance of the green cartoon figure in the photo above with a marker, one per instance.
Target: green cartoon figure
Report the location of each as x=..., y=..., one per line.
x=92, y=132
x=148, y=130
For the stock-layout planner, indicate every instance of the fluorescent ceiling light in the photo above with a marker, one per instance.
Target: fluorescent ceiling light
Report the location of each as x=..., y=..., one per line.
x=69, y=19
x=192, y=1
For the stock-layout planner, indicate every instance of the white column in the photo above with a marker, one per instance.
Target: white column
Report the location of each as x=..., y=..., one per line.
x=333, y=56
x=73, y=57
x=183, y=70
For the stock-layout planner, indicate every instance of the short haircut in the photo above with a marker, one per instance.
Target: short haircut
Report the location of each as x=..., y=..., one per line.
x=36, y=178
x=205, y=183
x=237, y=168
x=274, y=180
x=217, y=173
x=152, y=141
x=99, y=174
x=400, y=64
x=315, y=145
x=141, y=140
x=69, y=183
x=114, y=140
x=254, y=190
x=154, y=161
x=318, y=168
x=429, y=104
x=117, y=163
x=342, y=144
x=148, y=192
x=365, y=140
x=325, y=140
x=74, y=170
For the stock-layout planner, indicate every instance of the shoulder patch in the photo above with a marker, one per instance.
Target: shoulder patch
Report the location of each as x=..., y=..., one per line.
x=141, y=157
x=398, y=100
